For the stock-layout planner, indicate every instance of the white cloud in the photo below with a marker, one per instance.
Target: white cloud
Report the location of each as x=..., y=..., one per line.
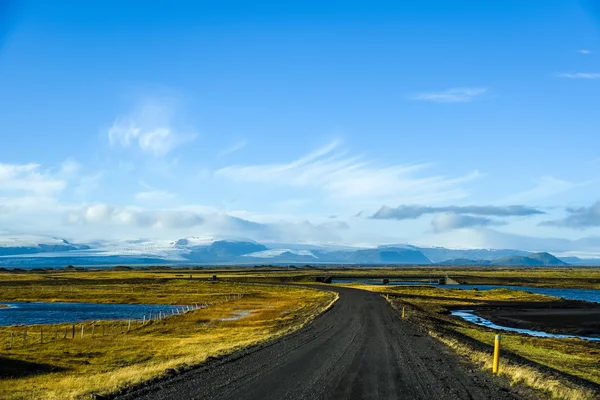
x=233, y=148
x=455, y=95
x=29, y=178
x=150, y=127
x=584, y=51
x=580, y=75
x=343, y=177
x=134, y=217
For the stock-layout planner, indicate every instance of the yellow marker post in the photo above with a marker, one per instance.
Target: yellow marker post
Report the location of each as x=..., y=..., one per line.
x=403, y=312
x=496, y=354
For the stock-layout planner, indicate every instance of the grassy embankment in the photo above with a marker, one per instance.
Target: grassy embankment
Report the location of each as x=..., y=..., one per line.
x=74, y=368
x=576, y=361
x=572, y=277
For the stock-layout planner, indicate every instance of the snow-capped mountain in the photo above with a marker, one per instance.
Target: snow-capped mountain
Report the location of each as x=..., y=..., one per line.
x=36, y=251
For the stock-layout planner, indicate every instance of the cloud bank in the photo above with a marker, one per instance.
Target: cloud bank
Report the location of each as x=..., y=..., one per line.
x=578, y=218
x=414, y=211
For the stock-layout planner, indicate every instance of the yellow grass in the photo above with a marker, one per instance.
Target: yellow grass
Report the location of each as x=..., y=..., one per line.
x=104, y=364
x=517, y=373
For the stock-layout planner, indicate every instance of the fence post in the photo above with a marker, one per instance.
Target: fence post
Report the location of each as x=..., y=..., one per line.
x=403, y=313
x=65, y=333
x=41, y=334
x=129, y=326
x=24, y=337
x=11, y=340
x=82, y=327
x=93, y=329
x=73, y=331
x=496, y=364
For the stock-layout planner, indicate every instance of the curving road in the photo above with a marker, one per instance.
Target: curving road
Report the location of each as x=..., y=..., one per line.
x=360, y=349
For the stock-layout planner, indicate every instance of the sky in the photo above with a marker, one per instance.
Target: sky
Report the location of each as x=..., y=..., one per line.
x=463, y=124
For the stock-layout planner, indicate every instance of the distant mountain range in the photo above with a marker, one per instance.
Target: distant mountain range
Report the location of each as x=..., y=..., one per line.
x=54, y=252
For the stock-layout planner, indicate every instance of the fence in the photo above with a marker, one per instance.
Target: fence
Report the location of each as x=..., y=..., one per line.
x=45, y=334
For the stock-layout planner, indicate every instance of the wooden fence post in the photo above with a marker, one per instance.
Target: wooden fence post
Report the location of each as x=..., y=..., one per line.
x=24, y=337
x=82, y=328
x=41, y=334
x=73, y=332
x=11, y=341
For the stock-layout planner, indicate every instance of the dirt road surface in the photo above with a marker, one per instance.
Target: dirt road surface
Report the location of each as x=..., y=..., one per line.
x=360, y=349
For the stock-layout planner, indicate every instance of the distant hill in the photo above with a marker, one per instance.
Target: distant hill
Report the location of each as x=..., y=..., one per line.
x=463, y=262
x=380, y=255
x=52, y=245
x=532, y=260
x=441, y=254
x=547, y=259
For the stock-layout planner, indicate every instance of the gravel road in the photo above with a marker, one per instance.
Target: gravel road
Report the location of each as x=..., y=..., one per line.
x=360, y=349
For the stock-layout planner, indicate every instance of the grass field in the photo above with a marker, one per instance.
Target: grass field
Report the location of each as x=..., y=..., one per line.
x=75, y=368
x=428, y=306
x=574, y=277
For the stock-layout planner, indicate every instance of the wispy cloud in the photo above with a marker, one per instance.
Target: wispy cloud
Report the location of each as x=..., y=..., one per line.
x=578, y=218
x=545, y=187
x=455, y=95
x=580, y=75
x=451, y=221
x=343, y=176
x=233, y=148
x=414, y=211
x=585, y=51
x=150, y=128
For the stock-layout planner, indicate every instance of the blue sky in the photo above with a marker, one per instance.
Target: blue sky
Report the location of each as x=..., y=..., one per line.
x=299, y=121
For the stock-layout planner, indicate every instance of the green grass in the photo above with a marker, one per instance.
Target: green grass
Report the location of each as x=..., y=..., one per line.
x=74, y=368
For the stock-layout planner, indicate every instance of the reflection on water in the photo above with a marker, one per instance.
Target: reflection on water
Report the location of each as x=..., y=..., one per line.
x=468, y=315
x=56, y=313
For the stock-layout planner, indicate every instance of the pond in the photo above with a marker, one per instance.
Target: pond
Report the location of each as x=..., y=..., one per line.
x=468, y=316
x=22, y=313
x=591, y=295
